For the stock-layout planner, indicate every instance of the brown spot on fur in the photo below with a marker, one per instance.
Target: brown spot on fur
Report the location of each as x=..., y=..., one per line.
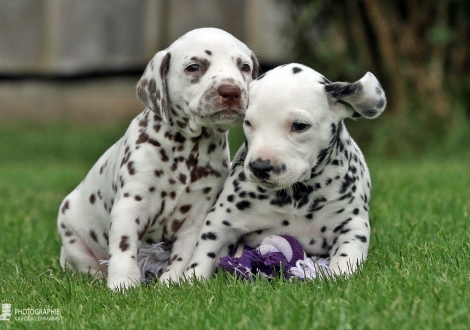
x=207, y=190
x=176, y=225
x=179, y=138
x=72, y=241
x=151, y=189
x=181, y=124
x=158, y=173
x=138, y=198
x=163, y=155
x=143, y=137
x=185, y=208
x=65, y=207
x=124, y=244
x=92, y=198
x=200, y=172
x=182, y=178
x=106, y=237
x=152, y=86
x=68, y=233
x=130, y=168
x=126, y=194
x=211, y=148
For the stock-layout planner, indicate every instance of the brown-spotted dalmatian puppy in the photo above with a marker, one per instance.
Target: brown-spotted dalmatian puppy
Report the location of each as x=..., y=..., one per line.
x=159, y=181
x=299, y=173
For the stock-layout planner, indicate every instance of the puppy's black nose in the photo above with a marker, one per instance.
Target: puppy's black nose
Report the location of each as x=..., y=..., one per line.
x=260, y=168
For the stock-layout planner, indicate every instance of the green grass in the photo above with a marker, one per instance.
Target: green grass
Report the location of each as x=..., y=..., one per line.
x=417, y=275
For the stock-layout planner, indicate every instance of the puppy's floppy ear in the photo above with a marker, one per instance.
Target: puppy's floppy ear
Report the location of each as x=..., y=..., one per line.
x=255, y=71
x=152, y=87
x=363, y=98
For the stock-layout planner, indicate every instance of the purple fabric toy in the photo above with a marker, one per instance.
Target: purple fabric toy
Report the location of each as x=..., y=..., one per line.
x=276, y=256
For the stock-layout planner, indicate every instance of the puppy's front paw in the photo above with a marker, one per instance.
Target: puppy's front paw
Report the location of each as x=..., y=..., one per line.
x=345, y=268
x=123, y=284
x=121, y=281
x=171, y=277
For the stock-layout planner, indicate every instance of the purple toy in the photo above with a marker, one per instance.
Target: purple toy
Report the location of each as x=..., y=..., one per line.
x=276, y=255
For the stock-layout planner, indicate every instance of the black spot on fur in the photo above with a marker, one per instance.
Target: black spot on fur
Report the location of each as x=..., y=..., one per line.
x=316, y=204
x=227, y=223
x=211, y=255
x=341, y=226
x=282, y=198
x=342, y=89
x=242, y=205
x=363, y=239
x=296, y=69
x=209, y=235
x=285, y=223
x=93, y=236
x=301, y=194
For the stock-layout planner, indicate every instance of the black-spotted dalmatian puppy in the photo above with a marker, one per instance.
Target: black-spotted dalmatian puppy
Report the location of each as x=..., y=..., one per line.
x=158, y=182
x=299, y=173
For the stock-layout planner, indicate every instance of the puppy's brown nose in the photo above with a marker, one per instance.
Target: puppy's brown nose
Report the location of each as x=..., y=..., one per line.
x=230, y=94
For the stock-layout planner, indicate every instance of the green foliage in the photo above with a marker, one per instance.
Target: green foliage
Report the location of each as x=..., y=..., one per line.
x=417, y=275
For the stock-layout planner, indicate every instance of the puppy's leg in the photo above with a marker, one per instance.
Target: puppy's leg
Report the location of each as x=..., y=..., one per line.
x=350, y=248
x=185, y=238
x=77, y=257
x=129, y=222
x=75, y=254
x=219, y=234
x=181, y=252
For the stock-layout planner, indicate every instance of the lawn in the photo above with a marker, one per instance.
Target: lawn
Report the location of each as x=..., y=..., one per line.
x=417, y=275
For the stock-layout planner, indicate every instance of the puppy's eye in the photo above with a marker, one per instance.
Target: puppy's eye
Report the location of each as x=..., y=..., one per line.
x=245, y=68
x=247, y=123
x=193, y=68
x=299, y=126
